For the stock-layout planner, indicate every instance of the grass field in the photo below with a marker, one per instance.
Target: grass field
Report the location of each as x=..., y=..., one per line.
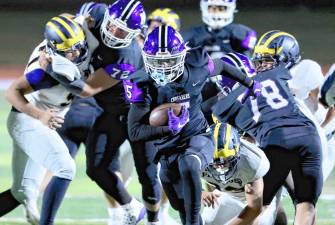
x=84, y=203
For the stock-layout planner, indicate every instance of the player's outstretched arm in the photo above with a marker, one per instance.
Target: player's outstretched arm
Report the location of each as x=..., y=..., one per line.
x=97, y=82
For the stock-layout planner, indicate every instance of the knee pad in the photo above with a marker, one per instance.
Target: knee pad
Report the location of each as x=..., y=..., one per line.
x=189, y=163
x=66, y=169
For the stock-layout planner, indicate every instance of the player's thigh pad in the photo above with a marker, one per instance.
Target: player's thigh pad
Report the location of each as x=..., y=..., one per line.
x=41, y=144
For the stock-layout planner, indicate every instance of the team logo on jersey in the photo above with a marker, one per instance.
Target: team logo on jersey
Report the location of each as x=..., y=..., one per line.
x=180, y=98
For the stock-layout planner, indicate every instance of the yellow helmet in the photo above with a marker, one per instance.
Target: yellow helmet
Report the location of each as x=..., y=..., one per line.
x=226, y=153
x=64, y=34
x=276, y=47
x=165, y=16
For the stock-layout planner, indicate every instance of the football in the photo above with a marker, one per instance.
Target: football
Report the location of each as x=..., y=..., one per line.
x=159, y=115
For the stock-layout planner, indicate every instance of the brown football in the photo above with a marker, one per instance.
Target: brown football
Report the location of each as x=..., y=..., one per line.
x=159, y=115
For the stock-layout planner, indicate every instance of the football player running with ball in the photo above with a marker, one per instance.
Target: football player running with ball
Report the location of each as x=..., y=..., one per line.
x=185, y=144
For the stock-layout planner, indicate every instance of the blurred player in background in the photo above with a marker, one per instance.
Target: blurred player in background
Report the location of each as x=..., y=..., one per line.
x=185, y=145
x=219, y=35
x=288, y=138
x=40, y=99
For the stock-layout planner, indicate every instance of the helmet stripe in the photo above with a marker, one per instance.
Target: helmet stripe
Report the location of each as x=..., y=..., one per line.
x=132, y=9
x=58, y=31
x=227, y=137
x=240, y=64
x=68, y=31
x=275, y=36
x=126, y=10
x=74, y=25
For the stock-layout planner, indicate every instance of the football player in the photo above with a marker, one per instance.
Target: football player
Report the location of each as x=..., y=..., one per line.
x=115, y=28
x=288, y=138
x=236, y=173
x=185, y=144
x=40, y=98
x=219, y=35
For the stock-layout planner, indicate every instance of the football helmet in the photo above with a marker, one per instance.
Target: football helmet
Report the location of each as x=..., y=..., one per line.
x=241, y=62
x=122, y=22
x=226, y=153
x=276, y=47
x=64, y=35
x=165, y=16
x=164, y=54
x=219, y=18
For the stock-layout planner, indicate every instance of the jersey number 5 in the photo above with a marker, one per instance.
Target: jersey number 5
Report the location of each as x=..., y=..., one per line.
x=273, y=98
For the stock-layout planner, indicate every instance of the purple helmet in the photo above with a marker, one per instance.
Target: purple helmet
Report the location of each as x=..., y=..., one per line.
x=164, y=54
x=122, y=22
x=240, y=61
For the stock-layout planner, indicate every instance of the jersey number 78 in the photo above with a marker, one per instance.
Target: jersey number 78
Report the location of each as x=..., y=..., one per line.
x=273, y=98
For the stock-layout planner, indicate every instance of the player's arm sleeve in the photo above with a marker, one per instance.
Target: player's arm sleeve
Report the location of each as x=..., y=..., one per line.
x=217, y=66
x=94, y=10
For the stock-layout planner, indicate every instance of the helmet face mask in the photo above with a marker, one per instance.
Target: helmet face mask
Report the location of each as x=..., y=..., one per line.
x=122, y=22
x=164, y=62
x=226, y=154
x=217, y=13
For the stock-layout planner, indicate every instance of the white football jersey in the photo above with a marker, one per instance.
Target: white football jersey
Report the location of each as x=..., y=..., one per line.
x=58, y=96
x=252, y=165
x=306, y=76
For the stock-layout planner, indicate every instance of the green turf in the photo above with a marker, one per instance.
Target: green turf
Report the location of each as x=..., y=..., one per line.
x=84, y=203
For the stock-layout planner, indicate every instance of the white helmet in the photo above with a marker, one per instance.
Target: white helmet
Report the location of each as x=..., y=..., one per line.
x=219, y=19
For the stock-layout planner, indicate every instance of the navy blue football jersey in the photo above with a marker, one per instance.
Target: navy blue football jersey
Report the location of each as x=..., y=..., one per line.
x=270, y=118
x=186, y=90
x=231, y=38
x=113, y=99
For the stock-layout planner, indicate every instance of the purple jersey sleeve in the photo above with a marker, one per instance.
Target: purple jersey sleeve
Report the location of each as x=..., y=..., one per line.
x=133, y=93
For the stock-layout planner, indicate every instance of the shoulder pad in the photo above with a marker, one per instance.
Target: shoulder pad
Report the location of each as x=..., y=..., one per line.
x=64, y=67
x=197, y=57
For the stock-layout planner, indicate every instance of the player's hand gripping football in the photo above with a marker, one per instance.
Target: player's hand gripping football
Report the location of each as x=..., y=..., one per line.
x=254, y=91
x=51, y=119
x=176, y=123
x=44, y=60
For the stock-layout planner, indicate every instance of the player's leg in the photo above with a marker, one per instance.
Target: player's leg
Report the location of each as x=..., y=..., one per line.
x=280, y=161
x=172, y=185
x=226, y=210
x=107, y=135
x=196, y=157
x=307, y=178
x=148, y=177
